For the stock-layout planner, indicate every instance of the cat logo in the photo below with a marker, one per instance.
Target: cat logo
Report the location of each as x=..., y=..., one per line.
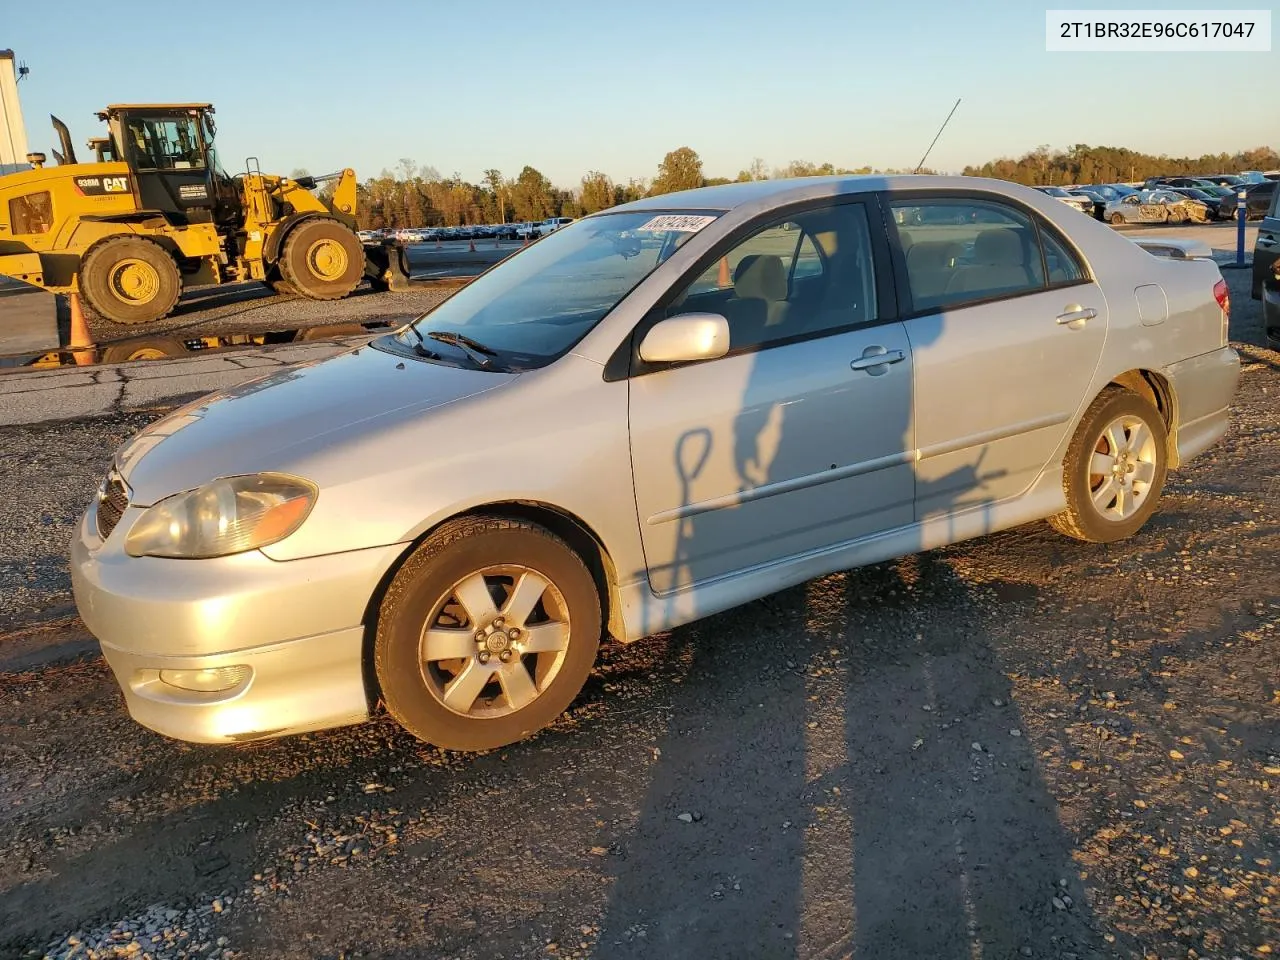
x=101, y=186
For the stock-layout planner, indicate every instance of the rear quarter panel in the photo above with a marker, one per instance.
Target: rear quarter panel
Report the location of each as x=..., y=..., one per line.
x=1185, y=347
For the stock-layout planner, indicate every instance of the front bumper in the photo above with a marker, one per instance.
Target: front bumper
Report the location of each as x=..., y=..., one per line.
x=296, y=625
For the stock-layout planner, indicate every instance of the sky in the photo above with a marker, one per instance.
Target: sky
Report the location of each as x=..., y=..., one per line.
x=569, y=86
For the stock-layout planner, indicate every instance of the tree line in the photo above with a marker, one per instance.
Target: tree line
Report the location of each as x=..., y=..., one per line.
x=418, y=196
x=1085, y=164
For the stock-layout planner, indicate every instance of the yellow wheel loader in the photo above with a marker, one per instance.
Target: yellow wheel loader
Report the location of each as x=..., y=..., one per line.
x=155, y=212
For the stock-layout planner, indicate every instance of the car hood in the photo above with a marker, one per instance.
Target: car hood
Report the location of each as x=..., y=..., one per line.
x=273, y=422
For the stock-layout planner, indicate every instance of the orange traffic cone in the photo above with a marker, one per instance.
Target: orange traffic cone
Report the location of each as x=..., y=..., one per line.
x=82, y=345
x=723, y=281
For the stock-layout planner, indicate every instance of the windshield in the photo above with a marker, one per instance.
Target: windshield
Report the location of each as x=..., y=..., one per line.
x=1055, y=191
x=165, y=143
x=539, y=303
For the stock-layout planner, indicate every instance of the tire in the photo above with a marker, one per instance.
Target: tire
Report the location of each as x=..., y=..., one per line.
x=322, y=260
x=483, y=712
x=128, y=280
x=1139, y=433
x=1117, y=219
x=153, y=348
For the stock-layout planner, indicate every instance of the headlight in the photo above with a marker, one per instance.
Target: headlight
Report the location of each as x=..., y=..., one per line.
x=226, y=516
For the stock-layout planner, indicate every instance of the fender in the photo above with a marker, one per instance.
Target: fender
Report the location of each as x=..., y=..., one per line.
x=275, y=239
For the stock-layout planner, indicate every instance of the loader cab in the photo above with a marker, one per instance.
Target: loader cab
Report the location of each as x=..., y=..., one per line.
x=170, y=150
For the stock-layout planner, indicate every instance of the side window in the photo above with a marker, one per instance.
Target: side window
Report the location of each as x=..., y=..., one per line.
x=32, y=213
x=811, y=274
x=961, y=251
x=1062, y=264
x=779, y=240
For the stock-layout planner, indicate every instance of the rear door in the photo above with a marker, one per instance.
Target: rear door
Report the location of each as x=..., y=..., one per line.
x=1006, y=334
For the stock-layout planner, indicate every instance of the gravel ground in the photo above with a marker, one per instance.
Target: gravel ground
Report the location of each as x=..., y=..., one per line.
x=1017, y=746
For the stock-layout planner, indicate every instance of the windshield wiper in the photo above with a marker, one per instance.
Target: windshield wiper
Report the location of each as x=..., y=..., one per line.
x=478, y=352
x=421, y=348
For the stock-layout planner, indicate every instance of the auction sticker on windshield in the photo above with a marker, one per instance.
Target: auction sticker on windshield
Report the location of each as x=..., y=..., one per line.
x=680, y=223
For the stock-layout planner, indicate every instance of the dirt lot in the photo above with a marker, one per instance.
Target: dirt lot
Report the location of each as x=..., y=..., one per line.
x=1019, y=746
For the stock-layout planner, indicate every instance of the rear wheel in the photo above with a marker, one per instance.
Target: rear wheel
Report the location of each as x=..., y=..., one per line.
x=129, y=280
x=322, y=260
x=1114, y=469
x=486, y=634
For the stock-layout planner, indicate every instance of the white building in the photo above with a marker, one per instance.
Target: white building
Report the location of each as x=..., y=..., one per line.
x=13, y=132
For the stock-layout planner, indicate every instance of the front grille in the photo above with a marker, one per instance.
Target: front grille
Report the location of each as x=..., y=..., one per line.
x=113, y=497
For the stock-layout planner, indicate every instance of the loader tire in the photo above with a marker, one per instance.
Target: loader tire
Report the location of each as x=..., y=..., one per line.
x=274, y=283
x=152, y=348
x=129, y=280
x=322, y=260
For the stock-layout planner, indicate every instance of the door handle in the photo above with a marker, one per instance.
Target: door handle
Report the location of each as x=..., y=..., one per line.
x=1077, y=314
x=877, y=357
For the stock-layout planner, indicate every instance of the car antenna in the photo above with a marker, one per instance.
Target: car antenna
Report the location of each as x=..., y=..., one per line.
x=935, y=139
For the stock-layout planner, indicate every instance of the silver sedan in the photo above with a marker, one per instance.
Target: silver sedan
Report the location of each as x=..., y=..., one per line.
x=656, y=413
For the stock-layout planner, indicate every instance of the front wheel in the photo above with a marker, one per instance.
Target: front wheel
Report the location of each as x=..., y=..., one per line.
x=486, y=634
x=321, y=260
x=1114, y=469
x=1117, y=220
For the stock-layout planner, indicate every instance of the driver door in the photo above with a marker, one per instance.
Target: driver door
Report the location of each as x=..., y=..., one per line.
x=796, y=440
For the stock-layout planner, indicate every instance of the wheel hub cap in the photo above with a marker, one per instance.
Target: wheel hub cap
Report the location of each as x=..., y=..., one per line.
x=495, y=642
x=327, y=259
x=135, y=281
x=1123, y=467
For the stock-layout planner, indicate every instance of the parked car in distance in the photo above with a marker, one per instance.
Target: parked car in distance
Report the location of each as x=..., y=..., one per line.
x=1258, y=197
x=1223, y=179
x=1153, y=183
x=704, y=397
x=1266, y=270
x=1095, y=198
x=1149, y=206
x=1082, y=204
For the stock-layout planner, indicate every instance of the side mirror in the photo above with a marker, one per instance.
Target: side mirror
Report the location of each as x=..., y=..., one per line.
x=689, y=336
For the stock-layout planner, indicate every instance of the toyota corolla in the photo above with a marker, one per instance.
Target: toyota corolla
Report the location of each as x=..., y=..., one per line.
x=651, y=415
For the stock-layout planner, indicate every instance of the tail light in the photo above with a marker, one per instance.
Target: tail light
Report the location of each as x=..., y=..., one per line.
x=1222, y=294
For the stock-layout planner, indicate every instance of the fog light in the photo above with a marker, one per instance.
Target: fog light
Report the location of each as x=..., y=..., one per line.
x=210, y=680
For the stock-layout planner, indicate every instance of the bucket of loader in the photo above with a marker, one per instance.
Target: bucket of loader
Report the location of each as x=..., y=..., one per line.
x=386, y=265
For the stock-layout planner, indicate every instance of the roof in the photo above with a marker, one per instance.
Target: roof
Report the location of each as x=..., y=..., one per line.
x=770, y=193
x=156, y=106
